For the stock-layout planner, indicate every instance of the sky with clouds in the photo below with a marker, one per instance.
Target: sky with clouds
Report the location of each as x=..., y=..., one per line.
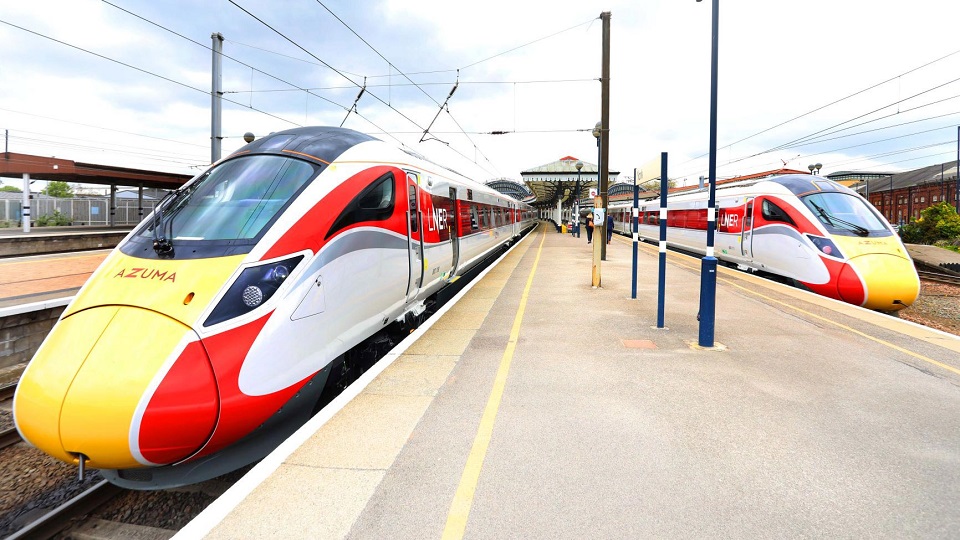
x=851, y=85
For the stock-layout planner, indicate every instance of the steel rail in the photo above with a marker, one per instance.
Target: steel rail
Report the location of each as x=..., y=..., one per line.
x=939, y=277
x=60, y=518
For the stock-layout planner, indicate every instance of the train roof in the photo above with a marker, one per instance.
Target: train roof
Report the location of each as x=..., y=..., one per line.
x=803, y=184
x=798, y=184
x=321, y=143
x=325, y=144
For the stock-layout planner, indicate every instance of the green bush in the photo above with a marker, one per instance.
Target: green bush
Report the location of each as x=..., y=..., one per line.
x=937, y=222
x=56, y=220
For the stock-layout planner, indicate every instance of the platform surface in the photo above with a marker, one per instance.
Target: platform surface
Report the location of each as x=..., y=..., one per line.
x=539, y=407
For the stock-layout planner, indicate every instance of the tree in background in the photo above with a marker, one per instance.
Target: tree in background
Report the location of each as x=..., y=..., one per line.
x=654, y=185
x=938, y=222
x=11, y=189
x=58, y=189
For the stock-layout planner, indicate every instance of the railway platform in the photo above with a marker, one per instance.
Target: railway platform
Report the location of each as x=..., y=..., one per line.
x=539, y=407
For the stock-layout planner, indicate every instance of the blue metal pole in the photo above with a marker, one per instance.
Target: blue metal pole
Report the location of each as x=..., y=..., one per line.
x=662, y=281
x=636, y=205
x=708, y=267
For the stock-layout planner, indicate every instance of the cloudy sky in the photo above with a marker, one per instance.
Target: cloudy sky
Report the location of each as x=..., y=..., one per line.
x=852, y=85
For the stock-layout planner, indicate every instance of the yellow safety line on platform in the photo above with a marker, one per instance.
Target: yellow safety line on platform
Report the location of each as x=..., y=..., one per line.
x=38, y=258
x=463, y=500
x=849, y=329
x=839, y=325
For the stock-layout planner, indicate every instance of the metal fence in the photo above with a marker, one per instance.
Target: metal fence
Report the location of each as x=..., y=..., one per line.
x=9, y=211
x=76, y=211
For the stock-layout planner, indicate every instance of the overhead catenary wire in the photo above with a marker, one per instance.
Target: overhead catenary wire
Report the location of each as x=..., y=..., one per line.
x=325, y=64
x=461, y=81
x=242, y=63
x=405, y=76
x=815, y=138
x=820, y=108
x=102, y=128
x=294, y=43
x=141, y=70
x=123, y=148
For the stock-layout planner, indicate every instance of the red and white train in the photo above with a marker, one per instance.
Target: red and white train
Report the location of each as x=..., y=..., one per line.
x=207, y=336
x=804, y=228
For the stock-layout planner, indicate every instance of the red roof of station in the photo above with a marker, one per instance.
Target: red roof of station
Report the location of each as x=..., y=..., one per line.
x=65, y=170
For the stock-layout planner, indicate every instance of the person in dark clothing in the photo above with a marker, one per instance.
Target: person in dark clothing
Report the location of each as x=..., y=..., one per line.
x=589, y=229
x=609, y=227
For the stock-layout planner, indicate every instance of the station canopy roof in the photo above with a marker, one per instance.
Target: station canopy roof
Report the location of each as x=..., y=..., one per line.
x=65, y=170
x=512, y=188
x=557, y=181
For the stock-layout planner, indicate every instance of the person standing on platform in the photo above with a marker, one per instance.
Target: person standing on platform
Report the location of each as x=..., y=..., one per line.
x=576, y=225
x=589, y=230
x=609, y=227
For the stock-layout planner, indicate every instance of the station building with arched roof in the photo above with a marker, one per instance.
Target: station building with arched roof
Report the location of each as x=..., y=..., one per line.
x=559, y=184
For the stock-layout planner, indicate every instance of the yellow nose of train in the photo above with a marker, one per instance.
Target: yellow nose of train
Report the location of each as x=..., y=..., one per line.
x=92, y=390
x=878, y=275
x=123, y=379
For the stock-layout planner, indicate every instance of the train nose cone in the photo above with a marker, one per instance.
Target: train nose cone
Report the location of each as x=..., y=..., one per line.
x=880, y=281
x=125, y=387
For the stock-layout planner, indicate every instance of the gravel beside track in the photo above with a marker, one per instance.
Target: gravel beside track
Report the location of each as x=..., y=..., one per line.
x=937, y=307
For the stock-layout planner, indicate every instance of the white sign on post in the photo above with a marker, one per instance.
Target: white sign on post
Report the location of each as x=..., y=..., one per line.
x=598, y=217
x=593, y=193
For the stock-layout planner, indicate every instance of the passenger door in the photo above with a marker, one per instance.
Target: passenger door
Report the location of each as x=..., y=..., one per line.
x=414, y=237
x=746, y=233
x=453, y=222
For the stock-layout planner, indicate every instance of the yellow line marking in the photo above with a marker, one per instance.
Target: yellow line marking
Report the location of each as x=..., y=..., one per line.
x=849, y=329
x=834, y=323
x=463, y=500
x=39, y=258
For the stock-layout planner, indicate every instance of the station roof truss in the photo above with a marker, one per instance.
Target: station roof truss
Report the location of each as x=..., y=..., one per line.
x=512, y=188
x=557, y=181
x=65, y=170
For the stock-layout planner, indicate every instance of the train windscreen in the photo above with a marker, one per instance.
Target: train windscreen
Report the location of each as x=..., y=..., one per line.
x=234, y=200
x=845, y=214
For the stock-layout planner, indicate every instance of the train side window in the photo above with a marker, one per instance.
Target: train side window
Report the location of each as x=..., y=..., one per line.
x=374, y=203
x=772, y=212
x=474, y=222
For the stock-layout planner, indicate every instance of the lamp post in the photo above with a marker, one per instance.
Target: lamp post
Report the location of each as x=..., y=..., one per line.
x=708, y=267
x=597, y=133
x=601, y=190
x=598, y=232
x=576, y=201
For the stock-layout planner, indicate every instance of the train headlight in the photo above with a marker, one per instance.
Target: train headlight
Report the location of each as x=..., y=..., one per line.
x=252, y=296
x=826, y=246
x=252, y=288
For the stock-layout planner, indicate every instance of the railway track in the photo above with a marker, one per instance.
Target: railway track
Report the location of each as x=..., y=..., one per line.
x=62, y=516
x=7, y=391
x=8, y=436
x=939, y=277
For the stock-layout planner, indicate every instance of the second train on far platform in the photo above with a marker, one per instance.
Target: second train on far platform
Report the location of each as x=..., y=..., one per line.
x=813, y=231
